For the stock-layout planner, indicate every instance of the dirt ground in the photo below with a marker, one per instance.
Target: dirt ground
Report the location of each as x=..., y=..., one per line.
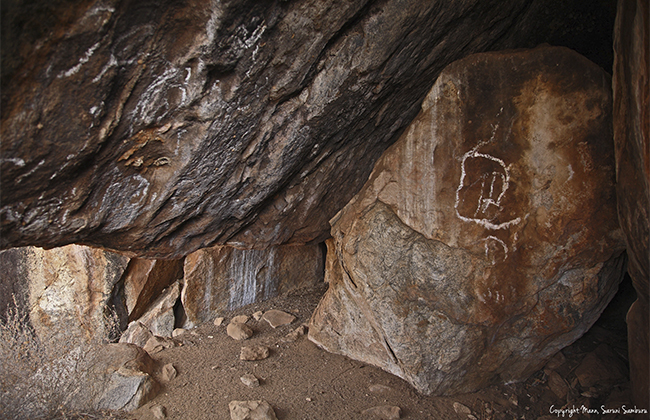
x=302, y=382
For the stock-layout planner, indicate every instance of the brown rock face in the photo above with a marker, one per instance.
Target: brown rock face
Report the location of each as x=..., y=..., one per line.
x=486, y=238
x=631, y=80
x=225, y=278
x=161, y=127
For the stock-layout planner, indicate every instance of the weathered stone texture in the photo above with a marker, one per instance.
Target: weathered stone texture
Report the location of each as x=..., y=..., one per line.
x=224, y=278
x=70, y=289
x=160, y=317
x=486, y=238
x=161, y=127
x=631, y=82
x=13, y=290
x=144, y=280
x=122, y=378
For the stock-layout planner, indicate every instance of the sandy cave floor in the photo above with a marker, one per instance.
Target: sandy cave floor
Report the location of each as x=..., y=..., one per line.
x=303, y=382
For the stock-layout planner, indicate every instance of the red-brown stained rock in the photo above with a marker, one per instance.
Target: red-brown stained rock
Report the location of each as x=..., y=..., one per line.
x=486, y=238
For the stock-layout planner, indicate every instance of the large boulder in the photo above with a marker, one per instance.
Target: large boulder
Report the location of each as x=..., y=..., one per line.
x=120, y=377
x=218, y=279
x=486, y=238
x=161, y=127
x=632, y=136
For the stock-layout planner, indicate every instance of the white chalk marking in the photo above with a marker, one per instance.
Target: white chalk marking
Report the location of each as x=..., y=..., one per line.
x=112, y=62
x=83, y=60
x=497, y=240
x=15, y=161
x=485, y=202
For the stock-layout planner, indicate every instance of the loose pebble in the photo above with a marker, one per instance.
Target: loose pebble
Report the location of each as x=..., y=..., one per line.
x=250, y=380
x=239, y=331
x=384, y=412
x=249, y=410
x=277, y=318
x=462, y=409
x=178, y=331
x=158, y=411
x=169, y=372
x=254, y=353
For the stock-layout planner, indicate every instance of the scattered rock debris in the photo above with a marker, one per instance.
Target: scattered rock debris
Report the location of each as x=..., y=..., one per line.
x=302, y=381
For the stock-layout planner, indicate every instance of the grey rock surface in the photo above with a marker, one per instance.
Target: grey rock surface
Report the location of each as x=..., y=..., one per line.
x=122, y=376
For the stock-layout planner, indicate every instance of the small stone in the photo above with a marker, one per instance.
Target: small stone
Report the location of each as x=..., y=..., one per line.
x=218, y=321
x=158, y=411
x=380, y=389
x=258, y=315
x=556, y=361
x=178, y=331
x=239, y=331
x=157, y=343
x=384, y=412
x=168, y=372
x=254, y=353
x=240, y=319
x=277, y=318
x=137, y=333
x=295, y=334
x=462, y=409
x=308, y=399
x=251, y=410
x=250, y=380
